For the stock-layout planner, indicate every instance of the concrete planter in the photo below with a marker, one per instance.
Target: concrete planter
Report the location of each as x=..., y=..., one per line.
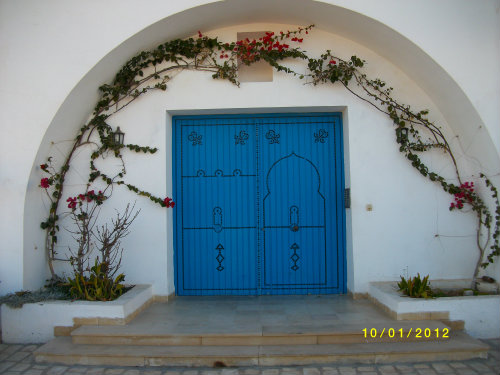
x=480, y=314
x=35, y=322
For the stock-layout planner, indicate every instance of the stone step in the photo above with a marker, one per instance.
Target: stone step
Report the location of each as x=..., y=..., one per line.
x=63, y=350
x=267, y=335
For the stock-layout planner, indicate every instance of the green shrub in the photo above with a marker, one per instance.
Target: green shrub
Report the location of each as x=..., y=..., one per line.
x=416, y=287
x=98, y=286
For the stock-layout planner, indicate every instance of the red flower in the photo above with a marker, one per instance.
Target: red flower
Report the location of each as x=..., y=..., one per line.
x=466, y=194
x=200, y=35
x=168, y=202
x=44, y=183
x=44, y=167
x=90, y=195
x=71, y=202
x=333, y=62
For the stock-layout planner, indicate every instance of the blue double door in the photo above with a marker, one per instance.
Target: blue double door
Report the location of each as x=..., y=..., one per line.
x=259, y=204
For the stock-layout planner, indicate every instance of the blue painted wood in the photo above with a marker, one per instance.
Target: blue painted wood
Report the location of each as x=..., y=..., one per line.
x=259, y=204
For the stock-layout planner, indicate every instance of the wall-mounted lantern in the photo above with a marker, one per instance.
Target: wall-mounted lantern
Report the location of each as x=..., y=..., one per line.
x=118, y=137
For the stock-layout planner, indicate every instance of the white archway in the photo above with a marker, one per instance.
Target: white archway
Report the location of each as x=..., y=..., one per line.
x=441, y=88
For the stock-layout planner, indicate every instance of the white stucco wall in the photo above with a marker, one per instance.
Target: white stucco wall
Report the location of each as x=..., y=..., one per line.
x=48, y=48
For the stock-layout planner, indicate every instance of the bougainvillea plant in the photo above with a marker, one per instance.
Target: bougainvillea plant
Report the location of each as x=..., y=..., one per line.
x=152, y=70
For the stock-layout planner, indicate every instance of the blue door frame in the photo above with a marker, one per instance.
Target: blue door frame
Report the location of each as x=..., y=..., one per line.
x=260, y=204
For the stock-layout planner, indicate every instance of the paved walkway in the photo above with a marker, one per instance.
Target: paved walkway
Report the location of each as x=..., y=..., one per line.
x=18, y=360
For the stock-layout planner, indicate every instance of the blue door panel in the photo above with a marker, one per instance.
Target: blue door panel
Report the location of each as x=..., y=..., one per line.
x=216, y=202
x=260, y=204
x=219, y=263
x=293, y=260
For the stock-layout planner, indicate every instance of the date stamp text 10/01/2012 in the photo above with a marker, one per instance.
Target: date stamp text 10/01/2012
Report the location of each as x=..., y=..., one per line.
x=418, y=333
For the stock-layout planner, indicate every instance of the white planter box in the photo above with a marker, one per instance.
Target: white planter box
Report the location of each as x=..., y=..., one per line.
x=35, y=322
x=481, y=314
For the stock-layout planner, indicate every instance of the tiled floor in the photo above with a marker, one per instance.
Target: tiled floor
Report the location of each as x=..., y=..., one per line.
x=252, y=314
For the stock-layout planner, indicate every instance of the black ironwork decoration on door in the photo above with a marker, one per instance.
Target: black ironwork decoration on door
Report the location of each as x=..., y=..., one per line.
x=220, y=257
x=195, y=138
x=217, y=219
x=320, y=136
x=295, y=257
x=273, y=137
x=294, y=219
x=241, y=138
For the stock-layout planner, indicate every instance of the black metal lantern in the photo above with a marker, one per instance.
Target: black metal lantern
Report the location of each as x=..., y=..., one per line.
x=118, y=137
x=402, y=135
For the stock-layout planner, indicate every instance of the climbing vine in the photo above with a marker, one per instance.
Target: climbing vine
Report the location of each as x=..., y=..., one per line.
x=152, y=70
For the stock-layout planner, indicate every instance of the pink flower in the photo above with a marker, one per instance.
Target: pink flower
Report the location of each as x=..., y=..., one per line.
x=45, y=183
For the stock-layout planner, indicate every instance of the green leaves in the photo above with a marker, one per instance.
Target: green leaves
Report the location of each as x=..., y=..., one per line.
x=357, y=62
x=144, y=149
x=150, y=70
x=415, y=287
x=97, y=286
